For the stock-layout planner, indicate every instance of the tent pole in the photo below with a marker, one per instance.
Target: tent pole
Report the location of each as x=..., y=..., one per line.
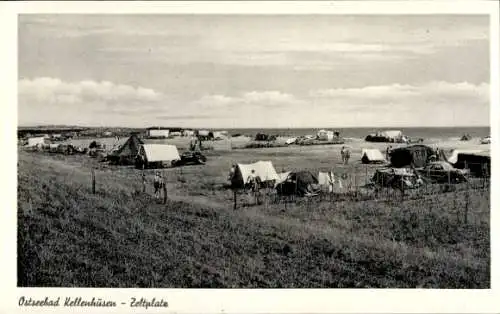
x=93, y=180
x=143, y=181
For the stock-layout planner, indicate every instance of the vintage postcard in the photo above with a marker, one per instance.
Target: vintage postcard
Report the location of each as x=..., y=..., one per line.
x=250, y=158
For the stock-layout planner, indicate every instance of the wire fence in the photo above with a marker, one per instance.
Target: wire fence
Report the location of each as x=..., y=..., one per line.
x=352, y=184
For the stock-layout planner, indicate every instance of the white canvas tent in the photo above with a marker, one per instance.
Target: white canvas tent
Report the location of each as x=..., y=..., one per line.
x=158, y=133
x=372, y=155
x=263, y=169
x=159, y=153
x=326, y=179
x=220, y=134
x=188, y=133
x=203, y=133
x=324, y=135
x=291, y=140
x=393, y=134
x=34, y=141
x=282, y=177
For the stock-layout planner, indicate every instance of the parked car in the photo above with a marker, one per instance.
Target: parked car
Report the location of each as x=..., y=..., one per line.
x=191, y=157
x=443, y=172
x=396, y=178
x=486, y=140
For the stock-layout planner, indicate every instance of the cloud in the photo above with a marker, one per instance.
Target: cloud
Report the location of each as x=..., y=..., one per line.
x=51, y=100
x=430, y=104
x=254, y=98
x=48, y=90
x=187, y=117
x=46, y=97
x=432, y=91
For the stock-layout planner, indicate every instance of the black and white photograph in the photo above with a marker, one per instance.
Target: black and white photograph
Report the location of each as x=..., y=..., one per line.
x=254, y=151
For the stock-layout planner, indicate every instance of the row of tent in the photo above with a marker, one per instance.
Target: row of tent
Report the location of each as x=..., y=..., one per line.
x=306, y=183
x=286, y=183
x=390, y=136
x=205, y=134
x=419, y=156
x=126, y=154
x=150, y=154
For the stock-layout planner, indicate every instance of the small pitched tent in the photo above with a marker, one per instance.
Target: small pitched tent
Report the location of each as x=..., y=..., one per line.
x=263, y=169
x=326, y=179
x=158, y=154
x=372, y=156
x=127, y=153
x=415, y=155
x=34, y=141
x=298, y=183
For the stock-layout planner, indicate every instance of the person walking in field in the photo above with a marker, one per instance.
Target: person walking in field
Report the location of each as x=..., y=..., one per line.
x=347, y=155
x=157, y=184
x=342, y=154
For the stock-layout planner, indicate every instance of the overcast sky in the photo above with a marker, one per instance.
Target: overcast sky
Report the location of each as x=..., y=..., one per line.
x=254, y=71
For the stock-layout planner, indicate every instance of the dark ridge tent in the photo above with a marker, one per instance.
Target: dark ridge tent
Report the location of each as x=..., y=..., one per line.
x=127, y=153
x=415, y=155
x=479, y=164
x=369, y=156
x=298, y=183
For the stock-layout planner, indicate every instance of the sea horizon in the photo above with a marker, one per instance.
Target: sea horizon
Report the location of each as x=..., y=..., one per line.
x=346, y=132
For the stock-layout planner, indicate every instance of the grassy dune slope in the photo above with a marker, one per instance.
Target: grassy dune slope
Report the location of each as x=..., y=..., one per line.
x=120, y=237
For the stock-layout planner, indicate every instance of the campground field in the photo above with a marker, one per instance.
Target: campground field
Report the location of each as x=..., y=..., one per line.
x=122, y=237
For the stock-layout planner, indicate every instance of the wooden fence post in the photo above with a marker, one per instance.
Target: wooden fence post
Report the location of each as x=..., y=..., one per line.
x=366, y=174
x=235, y=199
x=165, y=196
x=332, y=185
x=402, y=189
x=93, y=180
x=466, y=213
x=143, y=180
x=449, y=182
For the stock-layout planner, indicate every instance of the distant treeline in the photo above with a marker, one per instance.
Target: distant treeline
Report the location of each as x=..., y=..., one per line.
x=72, y=131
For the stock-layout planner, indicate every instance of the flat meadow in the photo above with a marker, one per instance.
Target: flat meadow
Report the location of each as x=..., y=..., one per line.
x=122, y=237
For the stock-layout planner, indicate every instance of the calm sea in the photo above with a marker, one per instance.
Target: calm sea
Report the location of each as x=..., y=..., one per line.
x=418, y=132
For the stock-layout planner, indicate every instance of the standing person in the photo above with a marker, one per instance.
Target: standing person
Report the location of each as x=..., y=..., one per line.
x=232, y=173
x=342, y=154
x=347, y=155
x=157, y=184
x=387, y=151
x=252, y=180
